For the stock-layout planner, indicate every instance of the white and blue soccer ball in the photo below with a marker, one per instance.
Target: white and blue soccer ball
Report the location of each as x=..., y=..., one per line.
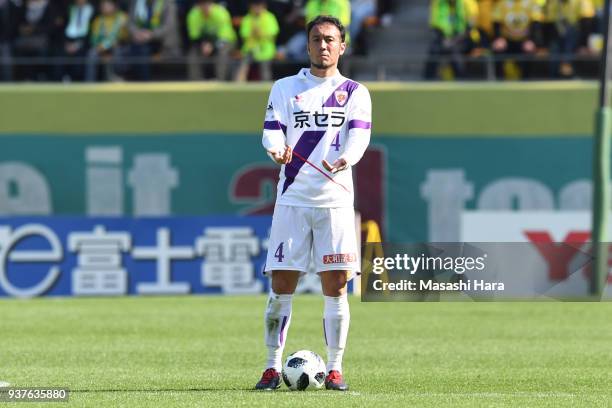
x=304, y=370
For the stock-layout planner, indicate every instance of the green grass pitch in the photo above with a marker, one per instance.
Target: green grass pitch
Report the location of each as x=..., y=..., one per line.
x=207, y=351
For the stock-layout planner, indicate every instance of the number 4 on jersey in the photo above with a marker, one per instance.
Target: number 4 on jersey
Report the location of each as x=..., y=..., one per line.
x=279, y=253
x=336, y=142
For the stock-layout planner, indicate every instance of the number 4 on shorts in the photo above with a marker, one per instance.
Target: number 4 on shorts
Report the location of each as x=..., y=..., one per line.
x=279, y=253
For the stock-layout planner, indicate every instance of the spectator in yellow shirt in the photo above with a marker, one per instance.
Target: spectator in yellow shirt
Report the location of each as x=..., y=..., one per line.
x=516, y=25
x=108, y=34
x=449, y=26
x=212, y=36
x=258, y=31
x=341, y=9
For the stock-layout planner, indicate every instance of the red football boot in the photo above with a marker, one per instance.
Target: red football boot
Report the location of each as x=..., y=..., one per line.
x=270, y=380
x=334, y=381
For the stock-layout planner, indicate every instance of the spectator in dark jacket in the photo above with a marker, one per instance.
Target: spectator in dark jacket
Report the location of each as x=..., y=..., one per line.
x=153, y=27
x=76, y=39
x=8, y=12
x=36, y=22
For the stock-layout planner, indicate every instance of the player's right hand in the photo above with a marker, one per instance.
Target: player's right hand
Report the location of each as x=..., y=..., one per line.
x=283, y=157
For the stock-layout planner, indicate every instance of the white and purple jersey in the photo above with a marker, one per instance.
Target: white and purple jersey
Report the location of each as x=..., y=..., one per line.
x=320, y=118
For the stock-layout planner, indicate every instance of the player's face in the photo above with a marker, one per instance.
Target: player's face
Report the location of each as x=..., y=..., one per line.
x=325, y=46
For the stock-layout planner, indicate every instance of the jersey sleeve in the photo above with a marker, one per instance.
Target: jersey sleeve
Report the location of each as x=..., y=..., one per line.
x=359, y=126
x=275, y=123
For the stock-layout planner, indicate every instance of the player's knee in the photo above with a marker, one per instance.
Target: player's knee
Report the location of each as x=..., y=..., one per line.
x=284, y=282
x=335, y=290
x=334, y=283
x=282, y=288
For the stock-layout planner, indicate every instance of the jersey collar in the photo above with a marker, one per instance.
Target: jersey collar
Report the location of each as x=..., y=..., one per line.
x=307, y=76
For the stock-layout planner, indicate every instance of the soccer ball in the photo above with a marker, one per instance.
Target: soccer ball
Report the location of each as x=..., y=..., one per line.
x=304, y=370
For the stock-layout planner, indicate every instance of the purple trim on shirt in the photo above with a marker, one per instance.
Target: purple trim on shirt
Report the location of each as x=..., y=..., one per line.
x=282, y=334
x=348, y=86
x=274, y=125
x=304, y=147
x=359, y=124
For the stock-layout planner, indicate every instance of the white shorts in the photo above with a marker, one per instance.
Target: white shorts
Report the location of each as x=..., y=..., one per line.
x=325, y=235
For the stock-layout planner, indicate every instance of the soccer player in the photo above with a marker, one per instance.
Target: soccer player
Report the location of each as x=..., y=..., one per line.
x=317, y=126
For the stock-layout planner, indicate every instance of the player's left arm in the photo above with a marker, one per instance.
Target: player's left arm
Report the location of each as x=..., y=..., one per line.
x=359, y=118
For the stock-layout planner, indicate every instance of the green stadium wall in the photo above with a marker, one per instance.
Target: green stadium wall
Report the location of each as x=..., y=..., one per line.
x=191, y=149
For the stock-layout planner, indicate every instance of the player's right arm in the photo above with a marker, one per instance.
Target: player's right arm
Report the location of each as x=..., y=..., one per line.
x=275, y=128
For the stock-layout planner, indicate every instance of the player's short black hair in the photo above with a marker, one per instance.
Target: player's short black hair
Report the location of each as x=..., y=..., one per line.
x=327, y=20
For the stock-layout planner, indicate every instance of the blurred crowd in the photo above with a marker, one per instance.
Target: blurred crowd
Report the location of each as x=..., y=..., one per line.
x=93, y=40
x=513, y=34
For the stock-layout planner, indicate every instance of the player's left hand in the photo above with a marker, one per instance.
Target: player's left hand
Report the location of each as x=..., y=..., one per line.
x=337, y=166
